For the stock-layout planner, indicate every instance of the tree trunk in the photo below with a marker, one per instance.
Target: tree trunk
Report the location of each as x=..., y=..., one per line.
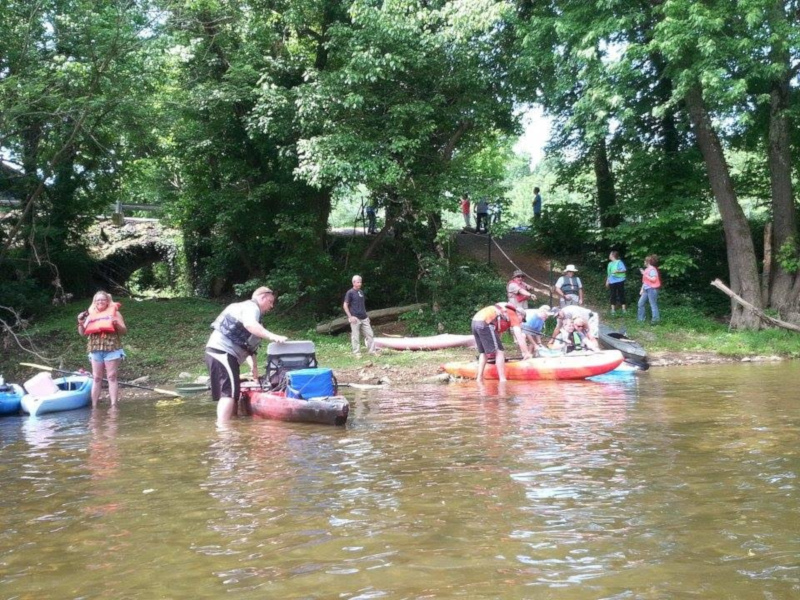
x=738, y=238
x=784, y=289
x=766, y=273
x=606, y=194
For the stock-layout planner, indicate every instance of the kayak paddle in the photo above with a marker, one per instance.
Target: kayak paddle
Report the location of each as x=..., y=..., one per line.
x=123, y=383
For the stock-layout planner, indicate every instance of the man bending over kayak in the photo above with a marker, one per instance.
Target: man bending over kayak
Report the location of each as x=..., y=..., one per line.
x=235, y=339
x=487, y=326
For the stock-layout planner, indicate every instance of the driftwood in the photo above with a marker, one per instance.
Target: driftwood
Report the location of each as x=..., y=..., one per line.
x=383, y=315
x=757, y=311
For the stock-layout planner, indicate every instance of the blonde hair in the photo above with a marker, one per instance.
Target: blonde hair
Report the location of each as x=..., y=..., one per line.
x=102, y=293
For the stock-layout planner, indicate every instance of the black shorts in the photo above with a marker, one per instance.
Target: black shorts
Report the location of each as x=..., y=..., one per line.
x=616, y=291
x=223, y=371
x=486, y=338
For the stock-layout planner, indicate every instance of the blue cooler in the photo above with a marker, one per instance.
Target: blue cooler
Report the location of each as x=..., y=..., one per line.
x=310, y=383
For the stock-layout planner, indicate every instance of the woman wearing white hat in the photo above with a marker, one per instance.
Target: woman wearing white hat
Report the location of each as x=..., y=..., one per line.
x=569, y=287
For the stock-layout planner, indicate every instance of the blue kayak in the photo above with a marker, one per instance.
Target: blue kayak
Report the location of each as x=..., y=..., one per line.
x=10, y=399
x=73, y=392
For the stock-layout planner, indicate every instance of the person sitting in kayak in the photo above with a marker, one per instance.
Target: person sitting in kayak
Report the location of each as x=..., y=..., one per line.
x=487, y=326
x=569, y=339
x=534, y=326
x=575, y=312
x=589, y=341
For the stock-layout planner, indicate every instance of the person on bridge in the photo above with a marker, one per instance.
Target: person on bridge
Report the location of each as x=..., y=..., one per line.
x=487, y=326
x=235, y=340
x=465, y=210
x=518, y=291
x=537, y=204
x=103, y=325
x=482, y=216
x=371, y=213
x=569, y=287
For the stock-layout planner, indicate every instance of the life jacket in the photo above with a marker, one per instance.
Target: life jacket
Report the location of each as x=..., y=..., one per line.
x=574, y=342
x=496, y=315
x=503, y=321
x=516, y=296
x=651, y=283
x=570, y=286
x=101, y=321
x=233, y=329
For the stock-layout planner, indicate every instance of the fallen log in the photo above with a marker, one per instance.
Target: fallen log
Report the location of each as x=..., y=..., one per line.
x=757, y=311
x=376, y=317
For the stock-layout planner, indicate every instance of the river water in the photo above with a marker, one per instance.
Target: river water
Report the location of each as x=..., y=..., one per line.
x=675, y=483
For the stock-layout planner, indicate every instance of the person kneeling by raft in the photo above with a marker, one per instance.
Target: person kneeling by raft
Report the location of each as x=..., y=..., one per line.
x=235, y=339
x=487, y=326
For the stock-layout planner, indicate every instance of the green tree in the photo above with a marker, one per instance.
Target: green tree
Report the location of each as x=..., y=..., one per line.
x=413, y=92
x=74, y=107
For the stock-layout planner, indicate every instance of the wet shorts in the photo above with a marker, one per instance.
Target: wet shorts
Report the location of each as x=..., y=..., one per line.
x=486, y=338
x=101, y=356
x=223, y=371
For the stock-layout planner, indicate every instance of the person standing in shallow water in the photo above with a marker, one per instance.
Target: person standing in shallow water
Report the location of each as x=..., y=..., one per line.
x=356, y=310
x=235, y=339
x=103, y=325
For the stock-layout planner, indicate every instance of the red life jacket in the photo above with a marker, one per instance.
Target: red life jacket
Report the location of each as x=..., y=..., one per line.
x=517, y=296
x=101, y=321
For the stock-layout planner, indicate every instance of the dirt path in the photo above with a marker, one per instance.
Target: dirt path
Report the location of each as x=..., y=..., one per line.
x=506, y=252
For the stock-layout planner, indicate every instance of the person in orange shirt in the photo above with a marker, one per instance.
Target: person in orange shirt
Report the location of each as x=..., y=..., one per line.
x=487, y=326
x=651, y=284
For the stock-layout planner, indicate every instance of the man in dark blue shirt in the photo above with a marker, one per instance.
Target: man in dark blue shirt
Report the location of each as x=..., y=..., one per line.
x=356, y=310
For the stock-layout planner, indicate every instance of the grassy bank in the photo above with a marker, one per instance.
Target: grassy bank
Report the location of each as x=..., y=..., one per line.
x=166, y=338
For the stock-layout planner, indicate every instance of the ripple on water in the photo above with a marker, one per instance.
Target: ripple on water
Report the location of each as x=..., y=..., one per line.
x=664, y=484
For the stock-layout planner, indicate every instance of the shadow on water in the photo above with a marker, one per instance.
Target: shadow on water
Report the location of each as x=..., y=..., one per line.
x=670, y=483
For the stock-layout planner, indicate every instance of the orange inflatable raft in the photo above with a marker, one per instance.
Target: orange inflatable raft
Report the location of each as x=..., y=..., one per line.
x=576, y=365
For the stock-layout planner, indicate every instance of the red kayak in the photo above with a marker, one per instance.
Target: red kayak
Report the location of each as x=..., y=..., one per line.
x=331, y=410
x=576, y=365
x=433, y=342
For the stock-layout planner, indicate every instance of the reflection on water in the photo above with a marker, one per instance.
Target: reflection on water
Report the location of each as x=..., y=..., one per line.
x=671, y=483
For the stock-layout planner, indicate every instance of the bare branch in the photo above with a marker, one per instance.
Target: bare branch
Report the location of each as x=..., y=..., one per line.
x=10, y=334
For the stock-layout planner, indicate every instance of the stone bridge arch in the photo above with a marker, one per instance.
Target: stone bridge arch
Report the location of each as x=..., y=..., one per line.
x=122, y=250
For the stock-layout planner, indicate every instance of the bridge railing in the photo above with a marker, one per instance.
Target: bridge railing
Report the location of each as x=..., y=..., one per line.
x=13, y=202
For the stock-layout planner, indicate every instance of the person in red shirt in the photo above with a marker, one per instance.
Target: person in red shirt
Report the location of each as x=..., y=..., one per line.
x=465, y=210
x=487, y=326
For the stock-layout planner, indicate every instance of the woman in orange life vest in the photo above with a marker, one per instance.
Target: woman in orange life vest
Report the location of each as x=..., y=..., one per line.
x=487, y=326
x=103, y=324
x=651, y=284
